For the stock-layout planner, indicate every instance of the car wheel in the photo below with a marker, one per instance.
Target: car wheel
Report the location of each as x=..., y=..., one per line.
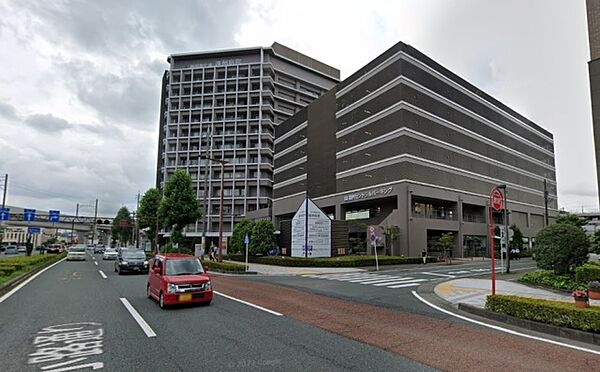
x=148, y=293
x=161, y=301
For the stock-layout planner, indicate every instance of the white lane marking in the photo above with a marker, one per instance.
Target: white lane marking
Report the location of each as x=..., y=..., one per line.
x=102, y=274
x=138, y=318
x=95, y=263
x=248, y=303
x=391, y=279
x=373, y=277
x=412, y=283
x=97, y=365
x=400, y=282
x=459, y=272
x=43, y=368
x=501, y=329
x=14, y=290
x=438, y=274
x=405, y=285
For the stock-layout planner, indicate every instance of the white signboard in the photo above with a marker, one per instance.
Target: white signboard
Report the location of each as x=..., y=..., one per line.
x=318, y=226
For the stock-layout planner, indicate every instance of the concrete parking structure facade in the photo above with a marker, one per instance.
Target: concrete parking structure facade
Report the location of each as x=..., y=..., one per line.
x=406, y=142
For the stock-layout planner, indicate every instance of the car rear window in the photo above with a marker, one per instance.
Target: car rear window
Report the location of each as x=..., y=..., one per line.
x=134, y=255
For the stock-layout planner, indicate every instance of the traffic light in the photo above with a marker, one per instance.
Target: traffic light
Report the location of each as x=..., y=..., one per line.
x=103, y=222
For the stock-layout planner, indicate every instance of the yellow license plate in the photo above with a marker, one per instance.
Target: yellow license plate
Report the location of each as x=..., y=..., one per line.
x=185, y=297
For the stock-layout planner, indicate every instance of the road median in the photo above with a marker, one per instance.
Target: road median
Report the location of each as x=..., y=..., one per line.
x=15, y=270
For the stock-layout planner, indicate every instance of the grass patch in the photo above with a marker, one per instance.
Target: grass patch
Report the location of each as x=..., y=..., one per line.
x=13, y=267
x=547, y=278
x=342, y=261
x=562, y=314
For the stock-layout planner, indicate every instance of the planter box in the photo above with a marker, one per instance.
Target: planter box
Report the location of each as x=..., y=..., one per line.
x=582, y=302
x=594, y=295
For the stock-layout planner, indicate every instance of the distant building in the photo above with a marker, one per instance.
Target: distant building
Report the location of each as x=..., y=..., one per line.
x=593, y=18
x=229, y=102
x=405, y=142
x=19, y=236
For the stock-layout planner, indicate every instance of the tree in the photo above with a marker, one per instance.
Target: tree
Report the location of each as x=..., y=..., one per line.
x=517, y=239
x=239, y=233
x=595, y=242
x=391, y=234
x=179, y=206
x=446, y=243
x=560, y=246
x=571, y=219
x=148, y=214
x=261, y=240
x=122, y=226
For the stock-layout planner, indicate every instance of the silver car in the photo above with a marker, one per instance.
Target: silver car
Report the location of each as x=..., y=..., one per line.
x=76, y=253
x=110, y=254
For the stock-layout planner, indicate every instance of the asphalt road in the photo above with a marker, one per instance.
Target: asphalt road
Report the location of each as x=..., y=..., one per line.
x=390, y=288
x=71, y=318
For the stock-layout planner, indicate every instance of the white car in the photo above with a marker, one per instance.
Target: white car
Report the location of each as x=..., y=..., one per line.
x=76, y=253
x=110, y=254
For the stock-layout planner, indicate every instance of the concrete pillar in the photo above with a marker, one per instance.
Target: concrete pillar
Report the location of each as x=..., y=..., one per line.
x=404, y=200
x=340, y=212
x=461, y=247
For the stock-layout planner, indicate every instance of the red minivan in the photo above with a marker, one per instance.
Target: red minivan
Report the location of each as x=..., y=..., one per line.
x=178, y=279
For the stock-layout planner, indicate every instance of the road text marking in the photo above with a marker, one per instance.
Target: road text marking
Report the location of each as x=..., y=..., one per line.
x=248, y=303
x=501, y=329
x=102, y=274
x=138, y=318
x=14, y=290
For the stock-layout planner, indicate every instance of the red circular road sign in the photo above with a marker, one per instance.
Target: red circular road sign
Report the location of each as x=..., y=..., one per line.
x=496, y=200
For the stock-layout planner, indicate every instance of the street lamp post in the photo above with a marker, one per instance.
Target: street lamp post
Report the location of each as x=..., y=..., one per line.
x=208, y=147
x=222, y=162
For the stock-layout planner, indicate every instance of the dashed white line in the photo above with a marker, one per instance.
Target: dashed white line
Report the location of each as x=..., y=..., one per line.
x=14, y=290
x=249, y=304
x=102, y=274
x=501, y=329
x=95, y=263
x=138, y=318
x=438, y=274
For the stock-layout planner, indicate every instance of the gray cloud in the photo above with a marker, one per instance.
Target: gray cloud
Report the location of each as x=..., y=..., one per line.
x=8, y=111
x=47, y=123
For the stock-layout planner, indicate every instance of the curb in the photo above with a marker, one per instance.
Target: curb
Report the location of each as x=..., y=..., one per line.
x=572, y=334
x=8, y=286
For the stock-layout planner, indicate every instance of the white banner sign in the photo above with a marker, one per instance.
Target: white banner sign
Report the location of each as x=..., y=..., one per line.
x=318, y=243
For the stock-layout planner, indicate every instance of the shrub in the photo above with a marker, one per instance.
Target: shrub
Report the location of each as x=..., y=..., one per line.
x=224, y=266
x=562, y=314
x=550, y=279
x=560, y=246
x=236, y=242
x=587, y=273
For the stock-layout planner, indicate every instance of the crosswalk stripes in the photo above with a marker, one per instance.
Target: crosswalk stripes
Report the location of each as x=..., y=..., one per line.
x=376, y=280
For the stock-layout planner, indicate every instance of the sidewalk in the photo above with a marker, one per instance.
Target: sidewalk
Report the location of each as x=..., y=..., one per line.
x=474, y=291
x=285, y=270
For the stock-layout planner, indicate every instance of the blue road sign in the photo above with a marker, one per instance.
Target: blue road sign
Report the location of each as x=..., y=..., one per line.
x=53, y=216
x=373, y=237
x=33, y=230
x=4, y=214
x=29, y=215
x=247, y=239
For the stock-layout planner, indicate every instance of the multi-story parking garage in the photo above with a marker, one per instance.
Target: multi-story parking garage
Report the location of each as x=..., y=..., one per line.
x=405, y=142
x=226, y=105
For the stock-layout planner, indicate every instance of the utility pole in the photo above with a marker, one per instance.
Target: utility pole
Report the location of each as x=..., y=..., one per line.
x=546, y=202
x=73, y=222
x=222, y=162
x=207, y=156
x=5, y=188
x=94, y=225
x=137, y=226
x=506, y=238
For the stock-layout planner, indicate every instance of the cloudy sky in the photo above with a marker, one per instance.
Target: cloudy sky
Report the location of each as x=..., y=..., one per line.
x=80, y=80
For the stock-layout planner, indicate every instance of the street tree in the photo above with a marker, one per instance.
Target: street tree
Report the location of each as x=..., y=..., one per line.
x=446, y=243
x=148, y=214
x=391, y=233
x=571, y=219
x=517, y=239
x=122, y=226
x=239, y=233
x=179, y=206
x=560, y=246
x=595, y=242
x=262, y=237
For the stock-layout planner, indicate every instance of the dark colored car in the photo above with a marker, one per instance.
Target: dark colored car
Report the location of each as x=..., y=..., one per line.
x=131, y=261
x=178, y=279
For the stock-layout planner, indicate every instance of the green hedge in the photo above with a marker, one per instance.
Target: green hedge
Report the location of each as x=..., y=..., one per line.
x=224, y=266
x=11, y=268
x=548, y=278
x=342, y=261
x=587, y=273
x=562, y=314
